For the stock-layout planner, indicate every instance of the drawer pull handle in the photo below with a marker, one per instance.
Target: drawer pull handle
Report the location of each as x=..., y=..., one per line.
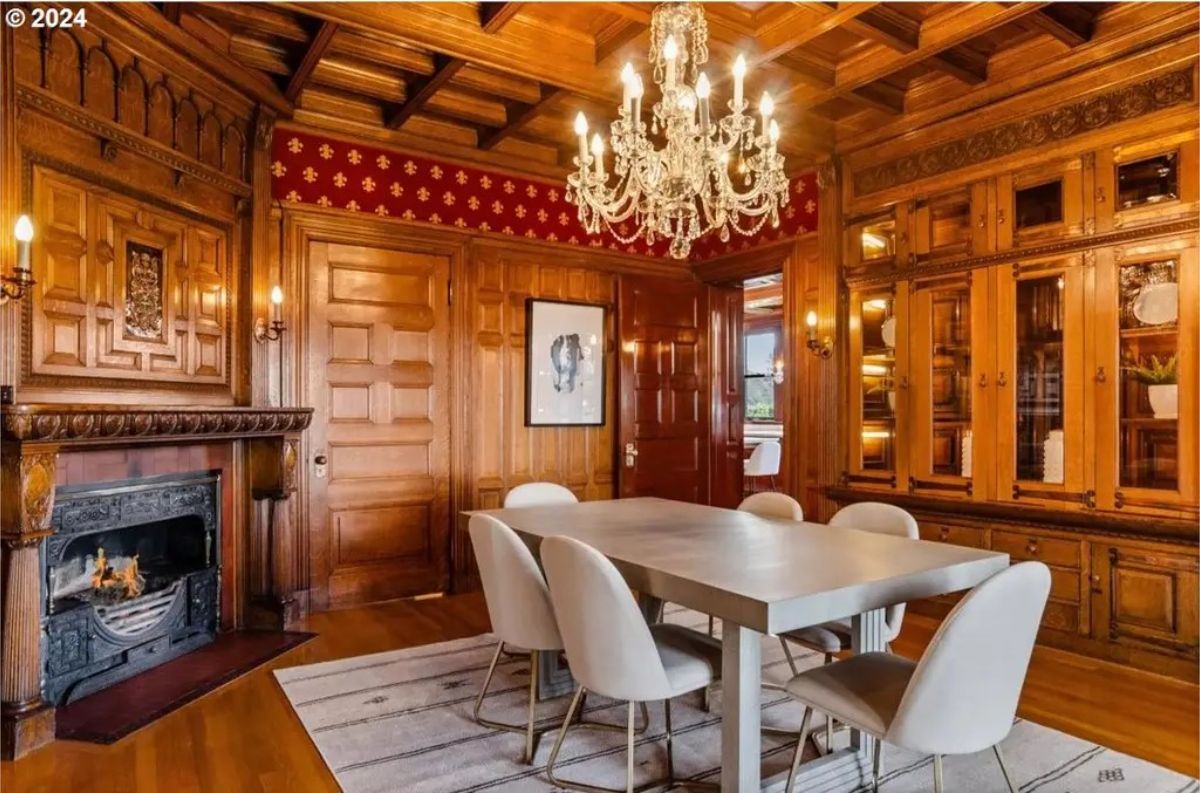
x=944, y=534
x=983, y=380
x=1000, y=216
x=1002, y=380
x=1101, y=377
x=982, y=219
x=1032, y=547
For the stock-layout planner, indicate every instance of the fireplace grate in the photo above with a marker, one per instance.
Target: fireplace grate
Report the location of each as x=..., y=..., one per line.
x=140, y=615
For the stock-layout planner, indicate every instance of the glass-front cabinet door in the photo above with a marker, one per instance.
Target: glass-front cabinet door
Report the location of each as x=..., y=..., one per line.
x=1038, y=382
x=948, y=334
x=1143, y=182
x=878, y=386
x=1146, y=377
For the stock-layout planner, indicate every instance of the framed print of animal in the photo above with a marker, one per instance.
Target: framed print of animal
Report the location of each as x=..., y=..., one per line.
x=564, y=364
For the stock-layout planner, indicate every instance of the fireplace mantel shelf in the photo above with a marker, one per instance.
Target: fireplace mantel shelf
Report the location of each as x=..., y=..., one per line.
x=70, y=425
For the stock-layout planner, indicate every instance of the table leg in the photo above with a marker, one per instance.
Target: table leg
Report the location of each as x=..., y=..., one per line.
x=845, y=770
x=741, y=682
x=651, y=607
x=554, y=677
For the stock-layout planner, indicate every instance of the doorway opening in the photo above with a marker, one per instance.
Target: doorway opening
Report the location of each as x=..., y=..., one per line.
x=764, y=381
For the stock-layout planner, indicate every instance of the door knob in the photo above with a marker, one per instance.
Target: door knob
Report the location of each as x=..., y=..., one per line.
x=631, y=454
x=320, y=459
x=320, y=465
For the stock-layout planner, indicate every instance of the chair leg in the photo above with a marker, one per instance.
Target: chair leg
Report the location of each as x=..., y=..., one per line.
x=808, y=712
x=1004, y=769
x=875, y=766
x=531, y=738
x=487, y=681
x=787, y=651
x=670, y=747
x=629, y=750
x=937, y=773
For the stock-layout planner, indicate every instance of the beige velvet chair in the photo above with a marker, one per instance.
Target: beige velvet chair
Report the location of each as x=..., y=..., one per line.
x=960, y=698
x=772, y=505
x=835, y=637
x=536, y=494
x=613, y=652
x=518, y=604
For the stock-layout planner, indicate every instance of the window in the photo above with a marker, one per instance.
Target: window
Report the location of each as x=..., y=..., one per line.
x=762, y=351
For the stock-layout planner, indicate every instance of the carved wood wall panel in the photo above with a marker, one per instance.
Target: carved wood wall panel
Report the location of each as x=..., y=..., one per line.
x=85, y=68
x=126, y=291
x=507, y=453
x=1066, y=121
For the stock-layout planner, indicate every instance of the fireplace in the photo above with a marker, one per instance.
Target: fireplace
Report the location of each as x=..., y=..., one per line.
x=130, y=579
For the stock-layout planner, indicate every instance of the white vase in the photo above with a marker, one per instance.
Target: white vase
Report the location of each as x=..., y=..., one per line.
x=1164, y=400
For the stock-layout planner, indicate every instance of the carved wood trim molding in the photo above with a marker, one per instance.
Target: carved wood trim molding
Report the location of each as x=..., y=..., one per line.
x=1086, y=244
x=115, y=134
x=1066, y=121
x=97, y=425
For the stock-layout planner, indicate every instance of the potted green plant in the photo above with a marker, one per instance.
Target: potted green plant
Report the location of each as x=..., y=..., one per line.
x=1160, y=379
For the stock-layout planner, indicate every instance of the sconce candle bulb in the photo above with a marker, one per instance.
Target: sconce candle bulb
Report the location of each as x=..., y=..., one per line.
x=822, y=347
x=14, y=287
x=273, y=331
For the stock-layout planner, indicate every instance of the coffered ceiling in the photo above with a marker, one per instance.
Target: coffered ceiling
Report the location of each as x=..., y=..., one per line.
x=501, y=82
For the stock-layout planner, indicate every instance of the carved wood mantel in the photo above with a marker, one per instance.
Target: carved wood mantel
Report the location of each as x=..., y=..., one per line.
x=31, y=436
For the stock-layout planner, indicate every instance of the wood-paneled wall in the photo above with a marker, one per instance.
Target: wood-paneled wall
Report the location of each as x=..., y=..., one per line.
x=506, y=453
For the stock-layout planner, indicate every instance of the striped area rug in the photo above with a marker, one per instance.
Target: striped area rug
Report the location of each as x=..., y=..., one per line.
x=402, y=721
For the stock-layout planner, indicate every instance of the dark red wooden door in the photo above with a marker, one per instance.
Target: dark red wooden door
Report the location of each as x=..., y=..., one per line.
x=665, y=390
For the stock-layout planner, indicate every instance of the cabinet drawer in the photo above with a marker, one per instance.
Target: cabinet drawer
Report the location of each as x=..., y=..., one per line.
x=1025, y=547
x=955, y=535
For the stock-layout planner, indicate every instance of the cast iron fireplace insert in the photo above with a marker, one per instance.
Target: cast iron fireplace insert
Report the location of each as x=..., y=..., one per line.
x=130, y=579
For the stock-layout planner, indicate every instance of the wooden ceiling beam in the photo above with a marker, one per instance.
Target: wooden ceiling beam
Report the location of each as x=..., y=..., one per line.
x=493, y=16
x=886, y=27
x=421, y=91
x=1067, y=34
x=615, y=36
x=525, y=47
x=962, y=63
x=805, y=23
x=879, y=96
x=939, y=33
x=312, y=56
x=520, y=115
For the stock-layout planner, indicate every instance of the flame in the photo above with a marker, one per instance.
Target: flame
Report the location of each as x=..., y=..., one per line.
x=127, y=580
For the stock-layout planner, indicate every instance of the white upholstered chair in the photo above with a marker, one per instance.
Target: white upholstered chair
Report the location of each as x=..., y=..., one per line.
x=764, y=460
x=536, y=494
x=959, y=698
x=772, y=505
x=518, y=604
x=611, y=649
x=835, y=637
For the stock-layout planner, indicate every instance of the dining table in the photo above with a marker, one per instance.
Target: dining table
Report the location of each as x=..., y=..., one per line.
x=759, y=576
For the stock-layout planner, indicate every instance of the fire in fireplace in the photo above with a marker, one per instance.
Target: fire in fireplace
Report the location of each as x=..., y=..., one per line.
x=131, y=579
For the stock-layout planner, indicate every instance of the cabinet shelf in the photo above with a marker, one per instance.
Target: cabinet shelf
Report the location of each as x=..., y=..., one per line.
x=1158, y=330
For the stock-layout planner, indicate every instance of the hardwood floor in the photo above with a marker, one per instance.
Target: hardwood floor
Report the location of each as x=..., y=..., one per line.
x=244, y=737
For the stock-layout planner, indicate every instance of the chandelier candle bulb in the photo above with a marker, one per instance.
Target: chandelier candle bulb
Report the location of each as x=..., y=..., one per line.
x=627, y=77
x=671, y=53
x=703, y=90
x=739, y=76
x=276, y=301
x=581, y=128
x=766, y=106
x=773, y=134
x=598, y=154
x=636, y=91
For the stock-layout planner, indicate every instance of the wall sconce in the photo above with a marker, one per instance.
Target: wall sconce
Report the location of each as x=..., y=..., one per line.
x=13, y=287
x=273, y=332
x=824, y=347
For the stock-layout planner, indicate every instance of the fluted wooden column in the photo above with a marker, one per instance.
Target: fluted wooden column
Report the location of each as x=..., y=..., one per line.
x=26, y=503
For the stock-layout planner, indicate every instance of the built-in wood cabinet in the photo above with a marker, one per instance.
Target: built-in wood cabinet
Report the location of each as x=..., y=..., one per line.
x=1028, y=346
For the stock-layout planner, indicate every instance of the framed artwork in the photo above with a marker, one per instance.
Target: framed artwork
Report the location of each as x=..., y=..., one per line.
x=564, y=364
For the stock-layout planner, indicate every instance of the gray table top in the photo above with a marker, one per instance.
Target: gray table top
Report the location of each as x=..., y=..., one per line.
x=768, y=575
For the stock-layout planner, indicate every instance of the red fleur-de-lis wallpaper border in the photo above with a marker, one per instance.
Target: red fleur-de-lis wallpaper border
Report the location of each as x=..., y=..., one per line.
x=308, y=168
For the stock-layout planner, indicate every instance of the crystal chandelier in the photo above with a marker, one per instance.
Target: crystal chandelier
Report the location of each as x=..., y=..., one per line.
x=724, y=175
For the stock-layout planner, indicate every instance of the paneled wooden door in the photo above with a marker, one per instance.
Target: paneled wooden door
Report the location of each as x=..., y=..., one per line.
x=665, y=389
x=378, y=378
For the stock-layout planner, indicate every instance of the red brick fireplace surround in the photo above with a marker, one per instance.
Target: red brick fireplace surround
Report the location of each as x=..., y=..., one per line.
x=43, y=447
